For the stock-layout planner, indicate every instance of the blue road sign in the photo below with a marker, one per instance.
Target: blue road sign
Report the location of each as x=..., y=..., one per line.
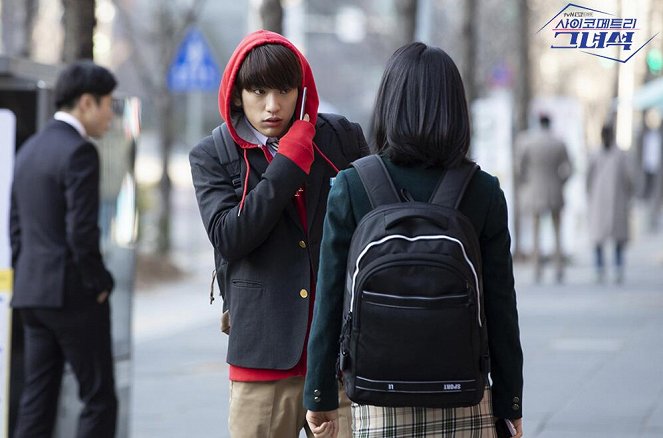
x=193, y=68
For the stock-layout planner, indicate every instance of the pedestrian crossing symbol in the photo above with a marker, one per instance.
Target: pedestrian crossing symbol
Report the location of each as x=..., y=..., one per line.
x=193, y=68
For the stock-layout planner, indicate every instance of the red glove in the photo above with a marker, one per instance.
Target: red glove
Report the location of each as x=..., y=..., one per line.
x=297, y=144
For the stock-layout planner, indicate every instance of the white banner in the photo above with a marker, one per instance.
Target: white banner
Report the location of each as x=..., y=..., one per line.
x=7, y=148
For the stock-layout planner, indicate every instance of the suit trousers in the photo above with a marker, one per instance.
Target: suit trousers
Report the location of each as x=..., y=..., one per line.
x=275, y=409
x=81, y=336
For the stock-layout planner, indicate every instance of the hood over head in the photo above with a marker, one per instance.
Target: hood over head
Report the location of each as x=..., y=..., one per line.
x=255, y=39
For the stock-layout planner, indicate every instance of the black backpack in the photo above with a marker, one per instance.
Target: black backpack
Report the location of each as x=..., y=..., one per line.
x=229, y=158
x=414, y=331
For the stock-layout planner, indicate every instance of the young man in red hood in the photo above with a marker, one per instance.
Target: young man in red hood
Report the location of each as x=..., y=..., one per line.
x=266, y=226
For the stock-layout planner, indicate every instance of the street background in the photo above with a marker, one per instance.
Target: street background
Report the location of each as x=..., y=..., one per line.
x=593, y=353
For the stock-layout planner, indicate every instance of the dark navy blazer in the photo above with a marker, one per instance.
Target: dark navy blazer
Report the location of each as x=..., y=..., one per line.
x=269, y=258
x=53, y=222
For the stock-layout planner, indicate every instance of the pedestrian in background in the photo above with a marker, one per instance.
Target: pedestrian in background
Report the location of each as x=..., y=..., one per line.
x=609, y=191
x=420, y=128
x=543, y=169
x=61, y=285
x=267, y=236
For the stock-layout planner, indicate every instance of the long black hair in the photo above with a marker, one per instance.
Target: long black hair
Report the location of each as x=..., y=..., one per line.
x=421, y=114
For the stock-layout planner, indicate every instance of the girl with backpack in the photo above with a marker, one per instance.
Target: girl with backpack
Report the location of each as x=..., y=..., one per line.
x=420, y=130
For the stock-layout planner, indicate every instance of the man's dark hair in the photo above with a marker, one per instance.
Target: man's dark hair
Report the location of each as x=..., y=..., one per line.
x=420, y=111
x=268, y=66
x=79, y=78
x=544, y=121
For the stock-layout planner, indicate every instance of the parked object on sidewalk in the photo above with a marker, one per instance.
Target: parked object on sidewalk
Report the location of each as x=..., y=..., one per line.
x=421, y=132
x=543, y=169
x=609, y=190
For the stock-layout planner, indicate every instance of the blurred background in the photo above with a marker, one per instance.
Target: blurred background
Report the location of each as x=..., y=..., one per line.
x=511, y=75
x=510, y=72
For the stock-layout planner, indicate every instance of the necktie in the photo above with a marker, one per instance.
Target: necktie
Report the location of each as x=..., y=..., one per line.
x=273, y=144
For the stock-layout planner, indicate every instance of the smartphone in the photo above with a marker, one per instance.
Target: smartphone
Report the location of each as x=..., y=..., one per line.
x=301, y=110
x=505, y=428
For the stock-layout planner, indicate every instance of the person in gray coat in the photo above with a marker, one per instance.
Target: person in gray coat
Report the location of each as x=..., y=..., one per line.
x=609, y=191
x=543, y=169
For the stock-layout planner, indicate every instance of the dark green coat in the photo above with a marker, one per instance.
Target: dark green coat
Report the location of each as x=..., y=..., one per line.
x=485, y=206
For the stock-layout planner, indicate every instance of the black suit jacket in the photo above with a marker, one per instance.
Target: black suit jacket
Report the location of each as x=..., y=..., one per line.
x=53, y=222
x=269, y=257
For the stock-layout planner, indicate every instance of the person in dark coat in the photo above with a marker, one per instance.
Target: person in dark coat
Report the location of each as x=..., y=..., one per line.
x=267, y=235
x=61, y=285
x=420, y=128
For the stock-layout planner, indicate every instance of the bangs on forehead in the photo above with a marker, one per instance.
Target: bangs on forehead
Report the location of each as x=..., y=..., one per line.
x=270, y=66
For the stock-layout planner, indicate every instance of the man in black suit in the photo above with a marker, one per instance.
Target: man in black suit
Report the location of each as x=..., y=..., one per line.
x=61, y=285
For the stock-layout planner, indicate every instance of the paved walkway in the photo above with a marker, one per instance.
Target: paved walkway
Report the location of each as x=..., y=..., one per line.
x=593, y=353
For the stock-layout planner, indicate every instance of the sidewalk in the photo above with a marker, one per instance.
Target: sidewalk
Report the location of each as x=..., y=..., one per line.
x=593, y=354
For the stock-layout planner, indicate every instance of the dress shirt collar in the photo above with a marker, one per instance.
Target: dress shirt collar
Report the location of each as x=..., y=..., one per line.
x=72, y=121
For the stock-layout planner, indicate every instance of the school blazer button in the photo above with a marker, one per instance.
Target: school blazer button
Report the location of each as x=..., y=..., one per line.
x=515, y=406
x=303, y=293
x=316, y=393
x=302, y=244
x=516, y=400
x=316, y=399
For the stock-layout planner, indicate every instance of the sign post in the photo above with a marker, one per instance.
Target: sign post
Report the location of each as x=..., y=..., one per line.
x=7, y=148
x=194, y=71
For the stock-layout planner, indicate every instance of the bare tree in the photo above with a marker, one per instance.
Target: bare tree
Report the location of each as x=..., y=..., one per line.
x=469, y=32
x=172, y=22
x=18, y=22
x=523, y=96
x=406, y=28
x=79, y=22
x=271, y=15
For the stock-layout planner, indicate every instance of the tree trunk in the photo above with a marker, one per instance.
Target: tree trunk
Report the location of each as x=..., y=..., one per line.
x=165, y=111
x=271, y=15
x=31, y=8
x=406, y=27
x=18, y=19
x=470, y=28
x=166, y=139
x=79, y=21
x=523, y=96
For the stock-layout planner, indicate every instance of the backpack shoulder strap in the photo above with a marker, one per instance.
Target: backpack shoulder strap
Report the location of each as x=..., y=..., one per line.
x=228, y=156
x=342, y=127
x=377, y=182
x=451, y=188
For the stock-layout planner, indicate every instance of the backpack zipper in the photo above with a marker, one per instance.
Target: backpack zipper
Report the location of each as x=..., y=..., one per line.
x=414, y=239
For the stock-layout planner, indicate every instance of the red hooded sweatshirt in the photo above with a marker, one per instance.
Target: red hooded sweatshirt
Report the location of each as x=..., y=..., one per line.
x=295, y=144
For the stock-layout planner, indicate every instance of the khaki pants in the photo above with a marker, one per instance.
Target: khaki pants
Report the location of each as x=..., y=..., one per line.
x=275, y=410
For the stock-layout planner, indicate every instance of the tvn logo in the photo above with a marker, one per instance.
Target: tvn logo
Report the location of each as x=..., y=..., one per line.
x=595, y=33
x=452, y=387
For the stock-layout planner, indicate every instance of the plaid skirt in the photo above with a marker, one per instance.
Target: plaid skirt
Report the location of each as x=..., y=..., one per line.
x=387, y=422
